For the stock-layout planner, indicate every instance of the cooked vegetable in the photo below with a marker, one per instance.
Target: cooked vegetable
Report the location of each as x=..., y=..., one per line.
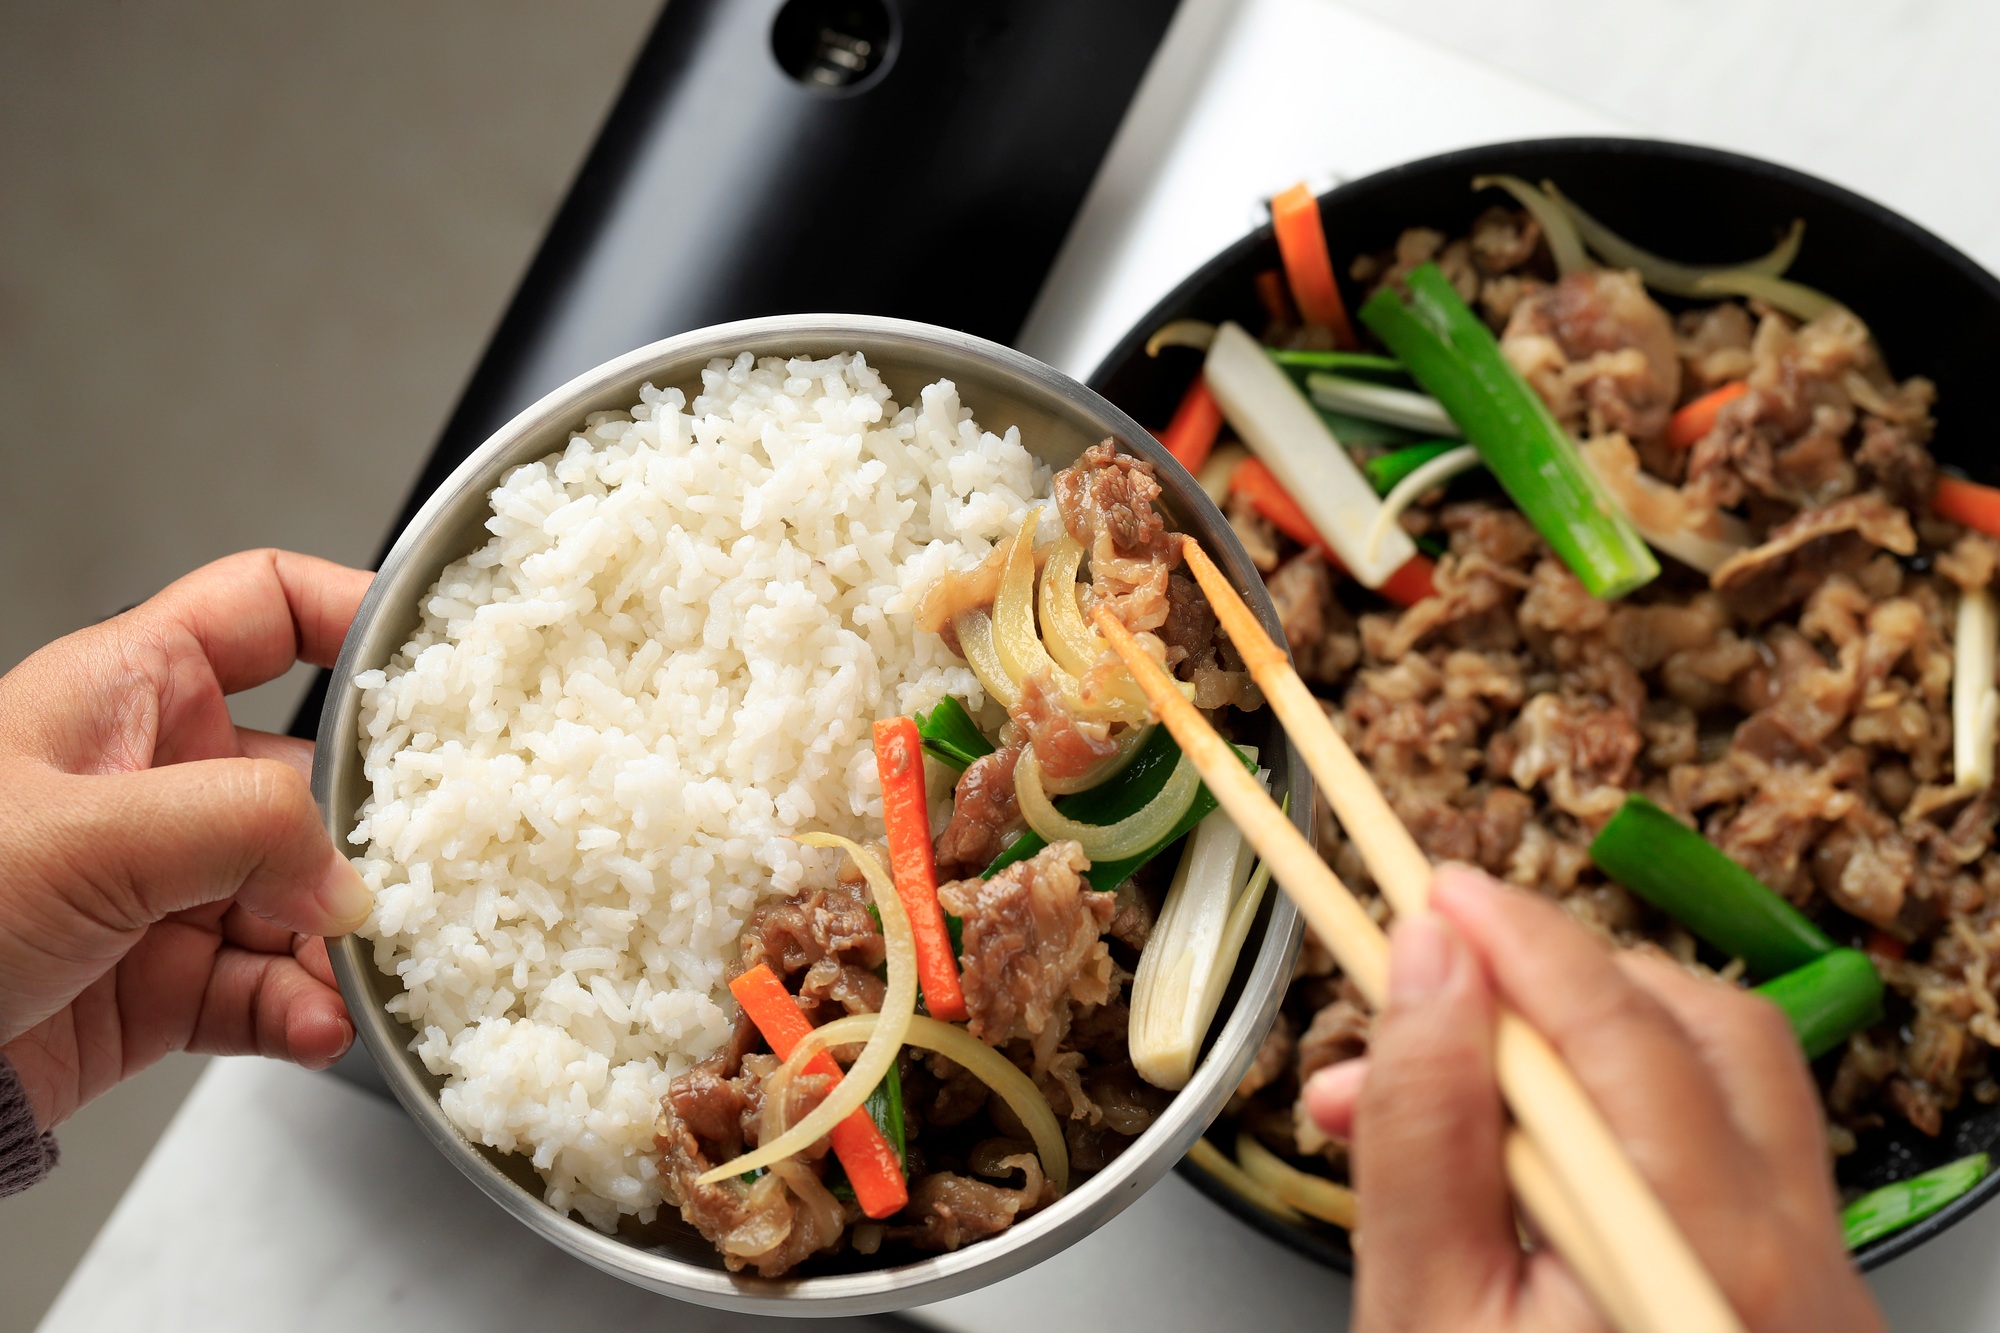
x=1385, y=470
x=1697, y=418
x=1975, y=703
x=1691, y=880
x=899, y=1006
x=1661, y=513
x=1172, y=990
x=1019, y=645
x=975, y=639
x=1308, y=265
x=1366, y=364
x=1073, y=643
x=949, y=732
x=1779, y=293
x=1664, y=274
x=1224, y=1168
x=1197, y=421
x=1381, y=402
x=1281, y=428
x=1410, y=584
x=1838, y=993
x=1455, y=358
x=1968, y=503
x=1221, y=466
x=1314, y=1195
x=1893, y=1207
x=984, y=1063
x=1195, y=333
x=1129, y=741
x=1145, y=827
x=874, y=1164
x=1422, y=478
x=1559, y=229
x=906, y=821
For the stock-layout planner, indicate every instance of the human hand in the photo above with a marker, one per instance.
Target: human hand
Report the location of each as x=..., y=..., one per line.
x=164, y=875
x=1702, y=1082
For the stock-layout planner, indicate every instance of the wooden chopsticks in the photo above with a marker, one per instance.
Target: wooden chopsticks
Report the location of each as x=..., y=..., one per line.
x=1565, y=1165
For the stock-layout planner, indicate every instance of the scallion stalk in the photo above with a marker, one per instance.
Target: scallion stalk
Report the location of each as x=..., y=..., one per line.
x=949, y=732
x=1836, y=994
x=1380, y=402
x=1366, y=364
x=1893, y=1207
x=1691, y=880
x=1455, y=358
x=1385, y=470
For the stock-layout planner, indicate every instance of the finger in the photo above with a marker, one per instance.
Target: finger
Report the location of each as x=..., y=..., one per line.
x=1331, y=1095
x=257, y=613
x=260, y=1004
x=285, y=749
x=1632, y=1056
x=164, y=840
x=1754, y=1054
x=246, y=930
x=310, y=950
x=1427, y=1143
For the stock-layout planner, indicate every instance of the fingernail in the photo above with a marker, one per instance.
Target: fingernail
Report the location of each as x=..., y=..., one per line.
x=345, y=898
x=1456, y=880
x=1419, y=958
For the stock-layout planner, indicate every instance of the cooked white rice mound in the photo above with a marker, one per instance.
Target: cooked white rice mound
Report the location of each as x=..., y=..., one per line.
x=586, y=762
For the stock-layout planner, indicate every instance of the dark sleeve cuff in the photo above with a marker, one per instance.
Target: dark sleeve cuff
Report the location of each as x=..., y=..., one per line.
x=25, y=1156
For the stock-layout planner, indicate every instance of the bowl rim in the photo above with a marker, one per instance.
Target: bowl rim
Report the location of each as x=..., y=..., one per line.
x=1317, y=1244
x=1148, y=1159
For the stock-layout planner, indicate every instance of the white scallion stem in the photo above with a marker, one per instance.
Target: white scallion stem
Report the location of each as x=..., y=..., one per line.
x=1405, y=492
x=1382, y=402
x=1975, y=703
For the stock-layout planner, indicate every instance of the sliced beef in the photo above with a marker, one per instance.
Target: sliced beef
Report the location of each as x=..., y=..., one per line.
x=1600, y=352
x=984, y=813
x=1106, y=500
x=824, y=944
x=1066, y=746
x=1799, y=555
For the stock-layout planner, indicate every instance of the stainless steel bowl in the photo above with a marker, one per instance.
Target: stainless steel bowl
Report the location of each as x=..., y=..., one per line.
x=1058, y=418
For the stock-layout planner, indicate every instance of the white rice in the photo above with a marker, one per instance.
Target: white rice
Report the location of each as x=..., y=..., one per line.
x=586, y=762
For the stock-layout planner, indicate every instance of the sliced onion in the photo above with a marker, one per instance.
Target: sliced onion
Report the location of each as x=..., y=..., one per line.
x=1075, y=645
x=1699, y=539
x=1975, y=705
x=1218, y=1164
x=1104, y=769
x=1195, y=333
x=1142, y=829
x=1316, y=1195
x=1794, y=298
x=899, y=1006
x=1557, y=226
x=984, y=1063
x=975, y=639
x=1021, y=650
x=1666, y=275
x=1220, y=469
x=1405, y=492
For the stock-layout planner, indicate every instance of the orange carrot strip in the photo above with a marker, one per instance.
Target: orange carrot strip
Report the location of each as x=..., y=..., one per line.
x=899, y=759
x=1271, y=294
x=1308, y=265
x=1697, y=419
x=1969, y=503
x=1197, y=421
x=1410, y=584
x=865, y=1154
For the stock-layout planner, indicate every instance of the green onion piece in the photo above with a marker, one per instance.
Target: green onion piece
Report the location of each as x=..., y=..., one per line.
x=1380, y=402
x=1455, y=358
x=1893, y=1207
x=949, y=732
x=1364, y=364
x=885, y=1108
x=1122, y=796
x=1835, y=994
x=954, y=926
x=1385, y=470
x=1355, y=432
x=1691, y=880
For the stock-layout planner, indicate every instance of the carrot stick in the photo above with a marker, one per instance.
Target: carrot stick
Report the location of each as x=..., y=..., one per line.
x=1302, y=244
x=868, y=1158
x=1271, y=295
x=906, y=817
x=1197, y=421
x=1697, y=419
x=1969, y=503
x=1410, y=584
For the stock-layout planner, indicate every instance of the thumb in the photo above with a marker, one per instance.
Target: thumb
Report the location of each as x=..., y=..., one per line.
x=1437, y=1230
x=162, y=840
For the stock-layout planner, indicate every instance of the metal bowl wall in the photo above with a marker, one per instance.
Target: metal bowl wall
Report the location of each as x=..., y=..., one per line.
x=1058, y=418
x=1933, y=310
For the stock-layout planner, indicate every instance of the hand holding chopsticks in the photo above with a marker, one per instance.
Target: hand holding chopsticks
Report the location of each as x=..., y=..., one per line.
x=1568, y=1168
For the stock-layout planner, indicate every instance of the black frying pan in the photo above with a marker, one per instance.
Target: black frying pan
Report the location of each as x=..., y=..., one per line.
x=1934, y=311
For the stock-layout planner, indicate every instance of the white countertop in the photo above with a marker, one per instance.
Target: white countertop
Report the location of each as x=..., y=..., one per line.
x=279, y=1199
